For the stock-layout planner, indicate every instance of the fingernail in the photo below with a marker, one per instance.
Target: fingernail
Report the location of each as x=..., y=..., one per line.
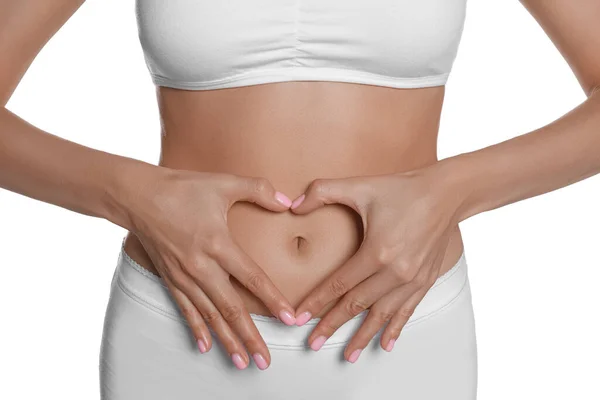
x=202, y=346
x=260, y=361
x=287, y=318
x=318, y=342
x=238, y=361
x=298, y=201
x=354, y=356
x=283, y=199
x=303, y=318
x=390, y=345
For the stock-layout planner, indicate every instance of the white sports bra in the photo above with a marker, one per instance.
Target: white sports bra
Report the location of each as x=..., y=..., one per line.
x=202, y=44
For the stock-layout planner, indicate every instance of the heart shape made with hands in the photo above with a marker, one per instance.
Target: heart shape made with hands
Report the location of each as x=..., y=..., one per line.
x=405, y=241
x=243, y=235
x=407, y=221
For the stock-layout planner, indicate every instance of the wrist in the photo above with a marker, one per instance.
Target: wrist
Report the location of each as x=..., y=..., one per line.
x=454, y=182
x=131, y=185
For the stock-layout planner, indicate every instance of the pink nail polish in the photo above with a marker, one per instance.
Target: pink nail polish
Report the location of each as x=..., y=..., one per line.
x=303, y=318
x=286, y=317
x=260, y=361
x=283, y=199
x=298, y=201
x=390, y=345
x=354, y=356
x=238, y=361
x=202, y=346
x=318, y=342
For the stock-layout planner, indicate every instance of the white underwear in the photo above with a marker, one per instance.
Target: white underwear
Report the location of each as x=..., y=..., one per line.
x=148, y=351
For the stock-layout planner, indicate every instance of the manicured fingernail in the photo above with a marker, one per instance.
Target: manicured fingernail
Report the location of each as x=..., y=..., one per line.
x=354, y=356
x=202, y=346
x=238, y=361
x=318, y=342
x=298, y=201
x=390, y=345
x=283, y=199
x=303, y=318
x=287, y=318
x=260, y=361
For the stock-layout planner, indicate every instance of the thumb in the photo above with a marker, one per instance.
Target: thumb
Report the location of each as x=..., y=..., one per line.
x=262, y=192
x=320, y=192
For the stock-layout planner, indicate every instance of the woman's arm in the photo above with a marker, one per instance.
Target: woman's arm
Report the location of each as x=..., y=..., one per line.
x=54, y=170
x=36, y=163
x=195, y=257
x=25, y=28
x=556, y=155
x=408, y=217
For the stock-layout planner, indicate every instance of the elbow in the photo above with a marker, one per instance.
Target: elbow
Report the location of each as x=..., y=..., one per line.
x=4, y=98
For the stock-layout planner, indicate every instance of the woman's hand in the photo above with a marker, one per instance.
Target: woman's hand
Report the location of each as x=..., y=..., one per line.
x=181, y=220
x=407, y=220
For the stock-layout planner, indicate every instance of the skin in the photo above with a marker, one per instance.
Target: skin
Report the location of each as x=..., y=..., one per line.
x=361, y=158
x=408, y=216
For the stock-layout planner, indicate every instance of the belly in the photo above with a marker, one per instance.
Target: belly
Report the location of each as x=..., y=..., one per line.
x=293, y=133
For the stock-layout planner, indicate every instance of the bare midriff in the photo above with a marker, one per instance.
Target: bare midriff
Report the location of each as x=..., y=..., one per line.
x=292, y=133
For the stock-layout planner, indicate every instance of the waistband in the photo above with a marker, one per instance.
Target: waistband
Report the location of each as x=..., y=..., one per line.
x=150, y=290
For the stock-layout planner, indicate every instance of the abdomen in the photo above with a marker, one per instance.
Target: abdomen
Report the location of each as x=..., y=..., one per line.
x=292, y=133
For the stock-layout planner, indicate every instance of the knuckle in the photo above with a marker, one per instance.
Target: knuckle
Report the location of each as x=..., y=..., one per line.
x=337, y=287
x=315, y=303
x=211, y=317
x=400, y=275
x=355, y=306
x=253, y=343
x=318, y=186
x=404, y=271
x=420, y=259
x=191, y=264
x=384, y=255
x=326, y=329
x=260, y=185
x=406, y=312
x=215, y=244
x=197, y=268
x=383, y=316
x=188, y=313
x=394, y=332
x=232, y=313
x=255, y=282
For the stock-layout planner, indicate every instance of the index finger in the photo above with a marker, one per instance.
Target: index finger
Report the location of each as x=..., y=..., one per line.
x=359, y=267
x=246, y=270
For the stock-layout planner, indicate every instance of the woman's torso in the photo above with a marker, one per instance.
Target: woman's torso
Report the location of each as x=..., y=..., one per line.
x=292, y=133
x=304, y=89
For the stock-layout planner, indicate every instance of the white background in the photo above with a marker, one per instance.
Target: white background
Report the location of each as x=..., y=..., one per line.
x=533, y=265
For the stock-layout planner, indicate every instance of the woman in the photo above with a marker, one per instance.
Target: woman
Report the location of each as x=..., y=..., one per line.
x=298, y=215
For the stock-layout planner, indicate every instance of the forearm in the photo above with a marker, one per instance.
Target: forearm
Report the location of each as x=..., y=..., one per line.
x=48, y=168
x=561, y=153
